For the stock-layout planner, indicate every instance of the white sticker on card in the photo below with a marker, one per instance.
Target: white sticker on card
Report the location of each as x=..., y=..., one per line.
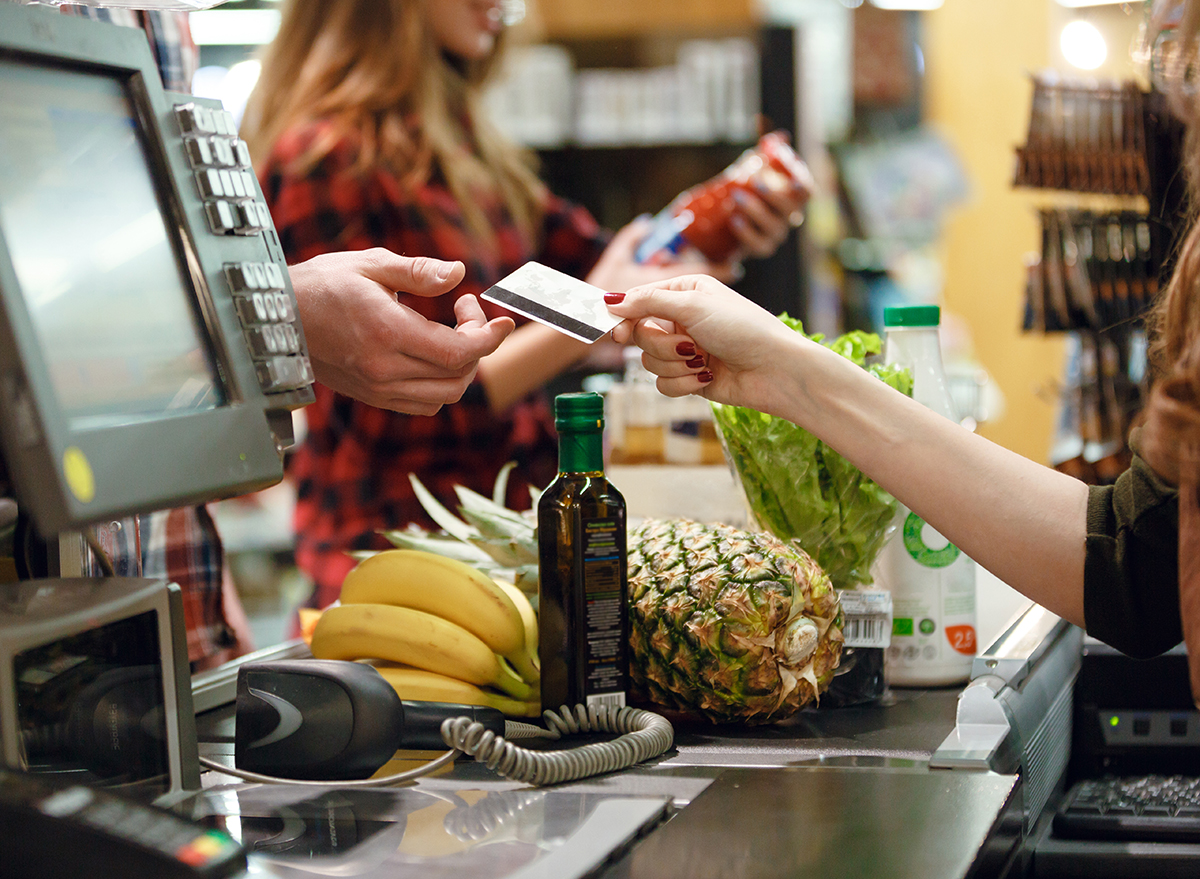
x=555, y=299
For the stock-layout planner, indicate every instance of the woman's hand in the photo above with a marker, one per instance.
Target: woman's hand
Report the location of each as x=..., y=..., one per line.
x=700, y=337
x=365, y=344
x=764, y=216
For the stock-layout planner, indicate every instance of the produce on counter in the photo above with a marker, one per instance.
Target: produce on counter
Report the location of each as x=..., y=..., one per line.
x=438, y=629
x=728, y=624
x=447, y=588
x=413, y=637
x=419, y=685
x=800, y=489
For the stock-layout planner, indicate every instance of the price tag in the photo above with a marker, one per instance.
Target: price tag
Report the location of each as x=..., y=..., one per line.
x=868, y=617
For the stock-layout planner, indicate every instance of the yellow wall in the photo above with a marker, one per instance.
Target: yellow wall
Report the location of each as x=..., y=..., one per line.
x=979, y=57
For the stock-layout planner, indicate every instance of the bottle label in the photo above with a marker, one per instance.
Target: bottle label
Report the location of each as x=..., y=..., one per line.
x=601, y=558
x=932, y=583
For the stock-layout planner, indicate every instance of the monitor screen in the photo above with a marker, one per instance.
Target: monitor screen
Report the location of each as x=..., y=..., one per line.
x=89, y=246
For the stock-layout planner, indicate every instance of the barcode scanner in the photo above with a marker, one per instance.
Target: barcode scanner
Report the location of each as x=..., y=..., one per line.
x=333, y=720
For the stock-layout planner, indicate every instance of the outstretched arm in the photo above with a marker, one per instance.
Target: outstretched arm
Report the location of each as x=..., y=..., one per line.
x=1024, y=522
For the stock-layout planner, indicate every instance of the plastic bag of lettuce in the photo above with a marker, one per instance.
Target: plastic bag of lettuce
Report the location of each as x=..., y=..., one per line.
x=800, y=489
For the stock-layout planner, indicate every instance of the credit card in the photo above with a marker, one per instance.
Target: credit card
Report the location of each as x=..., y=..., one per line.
x=555, y=299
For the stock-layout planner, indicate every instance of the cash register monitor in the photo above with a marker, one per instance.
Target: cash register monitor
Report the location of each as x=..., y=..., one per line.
x=150, y=357
x=149, y=349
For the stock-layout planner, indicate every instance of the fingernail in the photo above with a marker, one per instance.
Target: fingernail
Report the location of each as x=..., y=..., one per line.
x=696, y=362
x=614, y=298
x=685, y=349
x=443, y=271
x=704, y=377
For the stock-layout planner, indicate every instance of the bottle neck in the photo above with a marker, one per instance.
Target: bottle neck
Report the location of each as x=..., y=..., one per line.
x=581, y=451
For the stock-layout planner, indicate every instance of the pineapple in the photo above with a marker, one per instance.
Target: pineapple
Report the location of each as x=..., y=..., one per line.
x=731, y=625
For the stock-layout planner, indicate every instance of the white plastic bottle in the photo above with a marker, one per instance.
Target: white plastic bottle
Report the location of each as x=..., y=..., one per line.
x=932, y=582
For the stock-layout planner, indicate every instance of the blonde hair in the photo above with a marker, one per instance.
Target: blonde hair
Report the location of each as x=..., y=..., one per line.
x=374, y=70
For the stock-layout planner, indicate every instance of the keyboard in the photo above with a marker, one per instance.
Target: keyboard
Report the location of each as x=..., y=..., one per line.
x=1149, y=808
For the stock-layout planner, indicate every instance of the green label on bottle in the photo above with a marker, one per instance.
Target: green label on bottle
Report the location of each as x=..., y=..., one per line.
x=914, y=542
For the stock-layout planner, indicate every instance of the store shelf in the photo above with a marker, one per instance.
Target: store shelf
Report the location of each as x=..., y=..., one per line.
x=574, y=19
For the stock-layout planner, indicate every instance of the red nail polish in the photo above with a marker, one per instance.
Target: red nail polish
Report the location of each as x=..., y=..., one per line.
x=685, y=349
x=696, y=362
x=704, y=377
x=614, y=298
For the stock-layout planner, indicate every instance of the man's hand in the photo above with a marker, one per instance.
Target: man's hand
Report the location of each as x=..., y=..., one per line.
x=367, y=345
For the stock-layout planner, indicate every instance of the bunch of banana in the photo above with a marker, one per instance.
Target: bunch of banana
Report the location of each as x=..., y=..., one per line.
x=438, y=628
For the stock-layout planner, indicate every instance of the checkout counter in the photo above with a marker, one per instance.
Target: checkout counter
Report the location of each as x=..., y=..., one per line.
x=929, y=783
x=935, y=784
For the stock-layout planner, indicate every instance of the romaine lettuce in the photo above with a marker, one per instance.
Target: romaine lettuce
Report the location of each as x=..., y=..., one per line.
x=800, y=489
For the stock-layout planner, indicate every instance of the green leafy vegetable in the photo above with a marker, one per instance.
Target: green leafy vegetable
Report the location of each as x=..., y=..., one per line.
x=800, y=489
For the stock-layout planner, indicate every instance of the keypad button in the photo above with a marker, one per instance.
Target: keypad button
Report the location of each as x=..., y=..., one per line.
x=225, y=122
x=223, y=152
x=204, y=120
x=210, y=184
x=264, y=215
x=274, y=275
x=283, y=306
x=259, y=271
x=185, y=115
x=235, y=276
x=198, y=151
x=247, y=314
x=220, y=217
x=242, y=153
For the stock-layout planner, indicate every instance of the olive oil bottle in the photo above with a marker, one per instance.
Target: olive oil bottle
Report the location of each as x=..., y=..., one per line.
x=583, y=611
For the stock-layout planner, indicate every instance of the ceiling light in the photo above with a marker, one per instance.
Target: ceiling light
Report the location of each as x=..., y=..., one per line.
x=234, y=27
x=1083, y=45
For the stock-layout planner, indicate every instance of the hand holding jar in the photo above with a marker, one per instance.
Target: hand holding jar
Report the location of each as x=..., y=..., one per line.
x=746, y=210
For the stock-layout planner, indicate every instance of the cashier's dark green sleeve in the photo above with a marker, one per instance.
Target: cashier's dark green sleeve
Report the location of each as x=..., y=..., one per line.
x=1131, y=569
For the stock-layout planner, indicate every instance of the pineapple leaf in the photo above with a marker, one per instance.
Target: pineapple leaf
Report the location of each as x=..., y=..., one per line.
x=489, y=518
x=500, y=489
x=511, y=553
x=451, y=547
x=447, y=520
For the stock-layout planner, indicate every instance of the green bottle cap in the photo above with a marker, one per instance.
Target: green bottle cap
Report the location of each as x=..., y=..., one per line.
x=580, y=411
x=912, y=316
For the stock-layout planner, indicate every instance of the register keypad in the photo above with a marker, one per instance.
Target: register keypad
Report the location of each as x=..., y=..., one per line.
x=220, y=163
x=269, y=322
x=224, y=178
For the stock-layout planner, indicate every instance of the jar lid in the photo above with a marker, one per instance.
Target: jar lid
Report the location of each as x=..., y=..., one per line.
x=912, y=316
x=579, y=411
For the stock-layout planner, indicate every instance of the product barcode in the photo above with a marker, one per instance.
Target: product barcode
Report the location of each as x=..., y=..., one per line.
x=867, y=633
x=612, y=700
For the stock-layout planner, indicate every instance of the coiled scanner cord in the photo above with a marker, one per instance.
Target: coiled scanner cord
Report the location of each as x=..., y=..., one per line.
x=643, y=735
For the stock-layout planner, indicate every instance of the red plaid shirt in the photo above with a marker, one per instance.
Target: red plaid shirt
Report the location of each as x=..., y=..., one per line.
x=351, y=472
